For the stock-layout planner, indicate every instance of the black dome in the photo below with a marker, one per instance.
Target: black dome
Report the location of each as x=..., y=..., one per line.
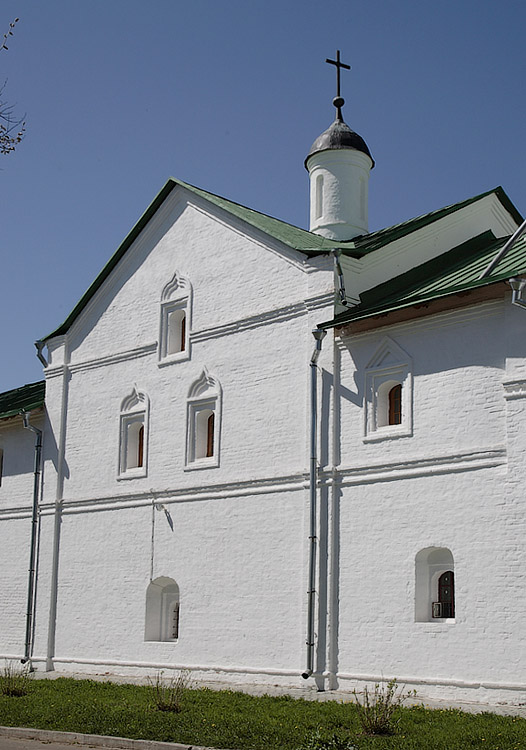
x=339, y=136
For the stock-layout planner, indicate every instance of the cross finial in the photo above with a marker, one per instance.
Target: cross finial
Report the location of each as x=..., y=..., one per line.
x=338, y=100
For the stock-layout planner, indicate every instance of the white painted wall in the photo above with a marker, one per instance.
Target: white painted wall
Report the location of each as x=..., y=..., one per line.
x=235, y=536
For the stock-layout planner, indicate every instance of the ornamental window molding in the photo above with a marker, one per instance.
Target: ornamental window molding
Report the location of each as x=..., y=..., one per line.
x=175, y=320
x=203, y=428
x=133, y=435
x=388, y=392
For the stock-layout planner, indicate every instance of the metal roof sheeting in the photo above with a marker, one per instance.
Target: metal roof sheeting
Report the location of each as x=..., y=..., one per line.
x=450, y=273
x=308, y=243
x=26, y=398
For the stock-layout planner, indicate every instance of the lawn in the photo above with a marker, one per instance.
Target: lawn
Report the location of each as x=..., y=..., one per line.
x=226, y=719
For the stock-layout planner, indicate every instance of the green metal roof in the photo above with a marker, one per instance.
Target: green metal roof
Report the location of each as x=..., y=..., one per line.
x=450, y=273
x=26, y=398
x=298, y=239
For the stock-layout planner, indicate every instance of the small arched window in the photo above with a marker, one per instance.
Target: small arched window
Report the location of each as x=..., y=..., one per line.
x=162, y=610
x=319, y=196
x=395, y=404
x=204, y=437
x=176, y=334
x=434, y=585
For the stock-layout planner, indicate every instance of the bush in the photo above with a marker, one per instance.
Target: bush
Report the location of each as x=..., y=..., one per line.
x=317, y=741
x=378, y=709
x=168, y=693
x=14, y=680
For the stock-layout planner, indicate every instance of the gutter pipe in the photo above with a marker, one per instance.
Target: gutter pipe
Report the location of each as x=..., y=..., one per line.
x=517, y=287
x=319, y=334
x=40, y=345
x=341, y=281
x=34, y=526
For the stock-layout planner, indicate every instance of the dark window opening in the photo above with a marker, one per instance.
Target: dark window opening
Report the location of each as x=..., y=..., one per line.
x=395, y=405
x=210, y=435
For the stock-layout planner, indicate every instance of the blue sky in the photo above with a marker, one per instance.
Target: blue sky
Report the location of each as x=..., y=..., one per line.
x=121, y=94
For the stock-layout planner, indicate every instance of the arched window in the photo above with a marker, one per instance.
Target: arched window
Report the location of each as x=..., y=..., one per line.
x=176, y=335
x=162, y=610
x=319, y=196
x=434, y=585
x=134, y=443
x=395, y=404
x=204, y=422
x=133, y=435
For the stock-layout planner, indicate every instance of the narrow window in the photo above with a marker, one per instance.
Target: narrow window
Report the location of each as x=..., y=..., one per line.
x=1, y=465
x=140, y=446
x=175, y=620
x=133, y=448
x=176, y=334
x=395, y=405
x=203, y=428
x=210, y=435
x=446, y=594
x=134, y=443
x=204, y=433
x=183, y=333
x=319, y=196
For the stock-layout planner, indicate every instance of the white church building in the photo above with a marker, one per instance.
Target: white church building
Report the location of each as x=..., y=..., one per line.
x=200, y=482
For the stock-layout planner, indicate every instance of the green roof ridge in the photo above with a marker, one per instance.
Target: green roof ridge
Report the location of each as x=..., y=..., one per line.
x=294, y=237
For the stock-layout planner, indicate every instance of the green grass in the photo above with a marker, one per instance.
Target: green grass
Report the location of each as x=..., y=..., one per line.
x=241, y=722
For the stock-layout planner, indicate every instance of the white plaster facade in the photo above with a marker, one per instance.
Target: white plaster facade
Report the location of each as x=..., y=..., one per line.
x=222, y=539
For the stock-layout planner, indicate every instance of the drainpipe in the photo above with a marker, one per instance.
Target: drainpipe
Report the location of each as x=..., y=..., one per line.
x=319, y=334
x=341, y=281
x=34, y=526
x=500, y=255
x=517, y=287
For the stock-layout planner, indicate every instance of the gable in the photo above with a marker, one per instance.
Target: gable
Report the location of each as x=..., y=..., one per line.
x=276, y=233
x=236, y=272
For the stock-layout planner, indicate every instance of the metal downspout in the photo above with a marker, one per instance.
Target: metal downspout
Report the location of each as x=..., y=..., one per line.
x=34, y=527
x=319, y=334
x=518, y=285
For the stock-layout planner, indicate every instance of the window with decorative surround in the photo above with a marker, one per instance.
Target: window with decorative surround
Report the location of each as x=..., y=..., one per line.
x=133, y=435
x=388, y=393
x=203, y=422
x=174, y=328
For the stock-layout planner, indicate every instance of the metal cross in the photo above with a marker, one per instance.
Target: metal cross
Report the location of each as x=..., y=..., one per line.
x=339, y=65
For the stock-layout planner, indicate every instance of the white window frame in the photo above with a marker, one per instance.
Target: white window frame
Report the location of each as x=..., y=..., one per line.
x=135, y=409
x=176, y=295
x=389, y=366
x=205, y=394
